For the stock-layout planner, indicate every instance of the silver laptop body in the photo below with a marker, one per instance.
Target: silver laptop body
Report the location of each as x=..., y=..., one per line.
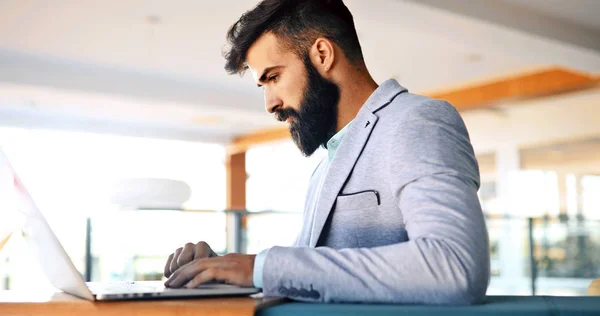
x=63, y=275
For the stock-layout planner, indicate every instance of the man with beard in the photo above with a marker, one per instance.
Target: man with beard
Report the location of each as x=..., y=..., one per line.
x=392, y=215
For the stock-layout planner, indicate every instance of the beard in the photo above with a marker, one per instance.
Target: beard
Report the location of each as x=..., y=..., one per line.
x=316, y=121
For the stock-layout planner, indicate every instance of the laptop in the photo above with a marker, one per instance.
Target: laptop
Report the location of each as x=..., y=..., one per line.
x=63, y=275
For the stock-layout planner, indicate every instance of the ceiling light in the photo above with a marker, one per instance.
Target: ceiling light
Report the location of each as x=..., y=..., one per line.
x=153, y=19
x=206, y=120
x=473, y=58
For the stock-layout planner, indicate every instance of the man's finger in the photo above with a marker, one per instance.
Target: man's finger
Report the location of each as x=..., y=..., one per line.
x=187, y=254
x=174, y=266
x=207, y=276
x=190, y=270
x=168, y=266
x=202, y=250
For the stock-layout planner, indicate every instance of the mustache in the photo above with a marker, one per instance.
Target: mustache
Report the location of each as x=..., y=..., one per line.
x=283, y=114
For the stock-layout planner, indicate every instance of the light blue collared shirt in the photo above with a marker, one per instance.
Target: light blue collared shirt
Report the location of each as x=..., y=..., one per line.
x=334, y=143
x=332, y=146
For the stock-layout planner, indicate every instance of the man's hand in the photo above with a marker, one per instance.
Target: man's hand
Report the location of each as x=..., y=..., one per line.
x=232, y=268
x=187, y=254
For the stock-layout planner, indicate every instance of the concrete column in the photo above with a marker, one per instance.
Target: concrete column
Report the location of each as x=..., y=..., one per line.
x=508, y=164
x=579, y=193
x=563, y=202
x=512, y=246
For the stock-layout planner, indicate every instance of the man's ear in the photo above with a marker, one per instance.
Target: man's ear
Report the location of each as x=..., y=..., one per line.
x=322, y=55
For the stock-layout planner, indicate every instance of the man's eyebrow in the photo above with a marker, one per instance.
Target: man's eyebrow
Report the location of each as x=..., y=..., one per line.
x=265, y=72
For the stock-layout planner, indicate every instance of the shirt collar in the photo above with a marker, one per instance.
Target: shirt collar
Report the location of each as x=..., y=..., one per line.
x=335, y=141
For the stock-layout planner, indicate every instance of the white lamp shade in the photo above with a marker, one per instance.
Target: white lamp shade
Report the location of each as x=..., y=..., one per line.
x=150, y=193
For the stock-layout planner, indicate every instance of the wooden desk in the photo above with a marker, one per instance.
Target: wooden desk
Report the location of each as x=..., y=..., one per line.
x=14, y=303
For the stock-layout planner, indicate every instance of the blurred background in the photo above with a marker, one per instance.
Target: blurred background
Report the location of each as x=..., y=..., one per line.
x=133, y=140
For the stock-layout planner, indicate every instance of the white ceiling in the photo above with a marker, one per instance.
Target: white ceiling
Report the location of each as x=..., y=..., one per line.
x=580, y=12
x=154, y=68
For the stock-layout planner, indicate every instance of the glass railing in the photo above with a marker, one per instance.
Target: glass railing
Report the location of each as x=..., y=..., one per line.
x=529, y=256
x=565, y=251
x=539, y=256
x=543, y=256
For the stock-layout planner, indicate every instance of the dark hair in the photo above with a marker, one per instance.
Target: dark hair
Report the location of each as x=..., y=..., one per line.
x=297, y=23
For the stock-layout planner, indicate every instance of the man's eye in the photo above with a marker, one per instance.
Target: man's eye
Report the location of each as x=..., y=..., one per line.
x=273, y=78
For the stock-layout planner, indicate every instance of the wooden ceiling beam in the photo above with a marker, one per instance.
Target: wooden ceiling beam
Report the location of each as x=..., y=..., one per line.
x=528, y=85
x=243, y=142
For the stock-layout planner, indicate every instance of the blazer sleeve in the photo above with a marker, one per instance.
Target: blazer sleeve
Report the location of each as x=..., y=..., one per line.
x=433, y=178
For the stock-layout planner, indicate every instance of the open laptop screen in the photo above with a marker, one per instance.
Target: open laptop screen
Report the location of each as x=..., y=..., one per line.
x=42, y=242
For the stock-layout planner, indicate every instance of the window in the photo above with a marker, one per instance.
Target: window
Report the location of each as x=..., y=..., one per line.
x=278, y=178
x=70, y=175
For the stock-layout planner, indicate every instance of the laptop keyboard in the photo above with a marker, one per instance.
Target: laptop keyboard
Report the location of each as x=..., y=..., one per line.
x=119, y=287
x=126, y=287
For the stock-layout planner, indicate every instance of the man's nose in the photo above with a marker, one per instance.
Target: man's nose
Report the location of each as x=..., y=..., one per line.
x=272, y=103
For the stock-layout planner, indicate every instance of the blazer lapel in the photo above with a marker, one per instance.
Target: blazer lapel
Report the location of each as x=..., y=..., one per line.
x=348, y=153
x=341, y=165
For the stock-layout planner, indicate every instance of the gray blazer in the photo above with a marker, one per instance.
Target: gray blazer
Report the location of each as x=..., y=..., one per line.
x=397, y=219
